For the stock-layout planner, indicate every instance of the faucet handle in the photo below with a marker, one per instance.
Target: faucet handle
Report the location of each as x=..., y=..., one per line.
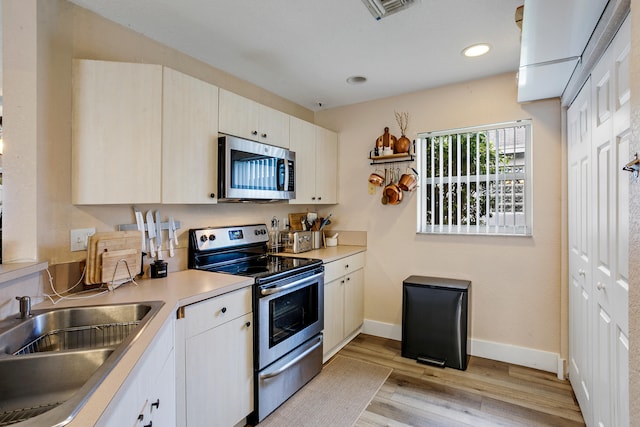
x=25, y=307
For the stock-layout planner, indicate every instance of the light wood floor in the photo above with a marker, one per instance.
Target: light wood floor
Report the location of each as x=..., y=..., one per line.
x=488, y=393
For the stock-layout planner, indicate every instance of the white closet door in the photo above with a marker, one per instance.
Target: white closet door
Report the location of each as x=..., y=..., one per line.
x=610, y=151
x=580, y=317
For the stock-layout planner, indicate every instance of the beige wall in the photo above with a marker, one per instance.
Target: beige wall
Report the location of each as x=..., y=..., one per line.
x=516, y=282
x=37, y=107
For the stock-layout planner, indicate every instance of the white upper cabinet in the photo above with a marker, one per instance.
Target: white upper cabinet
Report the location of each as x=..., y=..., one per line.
x=189, y=139
x=248, y=119
x=316, y=151
x=142, y=134
x=116, y=132
x=554, y=35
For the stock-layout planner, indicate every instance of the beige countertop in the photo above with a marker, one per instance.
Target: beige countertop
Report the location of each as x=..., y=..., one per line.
x=329, y=254
x=177, y=289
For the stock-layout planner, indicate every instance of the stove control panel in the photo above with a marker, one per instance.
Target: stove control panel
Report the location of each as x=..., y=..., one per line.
x=228, y=237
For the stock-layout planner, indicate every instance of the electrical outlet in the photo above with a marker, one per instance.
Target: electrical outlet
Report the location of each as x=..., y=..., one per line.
x=80, y=238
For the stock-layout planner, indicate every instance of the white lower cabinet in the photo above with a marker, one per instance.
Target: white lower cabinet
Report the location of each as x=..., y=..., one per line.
x=147, y=398
x=343, y=302
x=215, y=362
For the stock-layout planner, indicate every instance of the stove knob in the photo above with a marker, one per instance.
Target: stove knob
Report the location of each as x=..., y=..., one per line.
x=203, y=238
x=212, y=237
x=256, y=232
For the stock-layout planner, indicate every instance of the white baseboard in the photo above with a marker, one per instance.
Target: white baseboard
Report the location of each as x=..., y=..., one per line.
x=523, y=356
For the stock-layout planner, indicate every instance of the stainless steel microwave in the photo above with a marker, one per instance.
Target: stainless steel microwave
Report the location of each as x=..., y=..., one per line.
x=249, y=170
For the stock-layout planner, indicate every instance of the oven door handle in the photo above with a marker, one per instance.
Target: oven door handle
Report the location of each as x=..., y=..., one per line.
x=271, y=291
x=291, y=362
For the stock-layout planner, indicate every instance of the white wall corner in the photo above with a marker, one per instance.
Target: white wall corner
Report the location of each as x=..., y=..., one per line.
x=523, y=356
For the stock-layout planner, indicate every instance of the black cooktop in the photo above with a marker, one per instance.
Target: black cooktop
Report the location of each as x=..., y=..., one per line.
x=268, y=267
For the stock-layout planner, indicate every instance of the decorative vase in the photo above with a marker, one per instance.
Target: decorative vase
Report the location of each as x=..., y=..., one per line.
x=402, y=145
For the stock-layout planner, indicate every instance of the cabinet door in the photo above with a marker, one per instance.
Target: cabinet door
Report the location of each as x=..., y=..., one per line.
x=189, y=139
x=162, y=407
x=116, y=132
x=326, y=154
x=302, y=142
x=219, y=372
x=353, y=301
x=238, y=116
x=274, y=127
x=333, y=313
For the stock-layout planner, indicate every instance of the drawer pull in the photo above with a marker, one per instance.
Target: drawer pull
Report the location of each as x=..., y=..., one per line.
x=156, y=404
x=224, y=310
x=247, y=324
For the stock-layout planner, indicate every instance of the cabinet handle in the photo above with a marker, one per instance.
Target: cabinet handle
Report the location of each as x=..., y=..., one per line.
x=581, y=272
x=247, y=324
x=600, y=286
x=254, y=132
x=313, y=198
x=264, y=135
x=346, y=266
x=140, y=417
x=224, y=309
x=149, y=425
x=212, y=195
x=156, y=404
x=348, y=278
x=342, y=282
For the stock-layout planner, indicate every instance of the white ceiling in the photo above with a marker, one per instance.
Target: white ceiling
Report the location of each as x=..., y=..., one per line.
x=304, y=50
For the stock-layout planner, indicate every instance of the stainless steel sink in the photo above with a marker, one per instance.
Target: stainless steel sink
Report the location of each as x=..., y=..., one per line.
x=53, y=361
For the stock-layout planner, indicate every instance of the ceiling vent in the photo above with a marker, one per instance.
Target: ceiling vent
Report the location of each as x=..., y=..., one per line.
x=383, y=8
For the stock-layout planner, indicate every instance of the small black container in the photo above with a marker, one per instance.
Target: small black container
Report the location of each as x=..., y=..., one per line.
x=158, y=269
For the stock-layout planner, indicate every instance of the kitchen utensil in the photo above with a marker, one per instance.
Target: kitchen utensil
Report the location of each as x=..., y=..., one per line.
x=384, y=199
x=158, y=233
x=325, y=221
x=295, y=221
x=376, y=179
x=151, y=230
x=140, y=224
x=392, y=191
x=408, y=181
x=172, y=235
x=110, y=242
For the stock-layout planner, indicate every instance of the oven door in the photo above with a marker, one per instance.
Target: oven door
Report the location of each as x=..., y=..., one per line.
x=290, y=312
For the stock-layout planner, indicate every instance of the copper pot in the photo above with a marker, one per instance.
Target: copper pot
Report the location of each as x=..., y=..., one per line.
x=376, y=179
x=408, y=181
x=392, y=191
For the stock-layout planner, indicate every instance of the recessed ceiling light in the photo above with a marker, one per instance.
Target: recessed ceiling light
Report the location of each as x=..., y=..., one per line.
x=476, y=50
x=356, y=80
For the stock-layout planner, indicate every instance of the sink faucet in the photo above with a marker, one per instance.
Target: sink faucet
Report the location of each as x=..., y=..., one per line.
x=25, y=307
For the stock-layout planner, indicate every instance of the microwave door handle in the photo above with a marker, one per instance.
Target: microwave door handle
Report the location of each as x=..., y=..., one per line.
x=271, y=291
x=291, y=362
x=285, y=184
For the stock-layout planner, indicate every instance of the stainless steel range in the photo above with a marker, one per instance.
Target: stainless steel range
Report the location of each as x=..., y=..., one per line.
x=288, y=307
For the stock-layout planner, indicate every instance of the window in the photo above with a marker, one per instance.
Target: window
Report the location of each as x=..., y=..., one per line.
x=476, y=180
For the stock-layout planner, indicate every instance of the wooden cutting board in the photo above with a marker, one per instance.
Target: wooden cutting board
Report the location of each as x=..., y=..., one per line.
x=115, y=263
x=295, y=221
x=105, y=242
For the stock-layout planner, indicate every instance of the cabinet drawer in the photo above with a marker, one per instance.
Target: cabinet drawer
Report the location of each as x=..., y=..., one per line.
x=213, y=312
x=346, y=265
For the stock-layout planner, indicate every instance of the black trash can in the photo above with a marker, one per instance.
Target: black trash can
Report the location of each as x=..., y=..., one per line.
x=435, y=320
